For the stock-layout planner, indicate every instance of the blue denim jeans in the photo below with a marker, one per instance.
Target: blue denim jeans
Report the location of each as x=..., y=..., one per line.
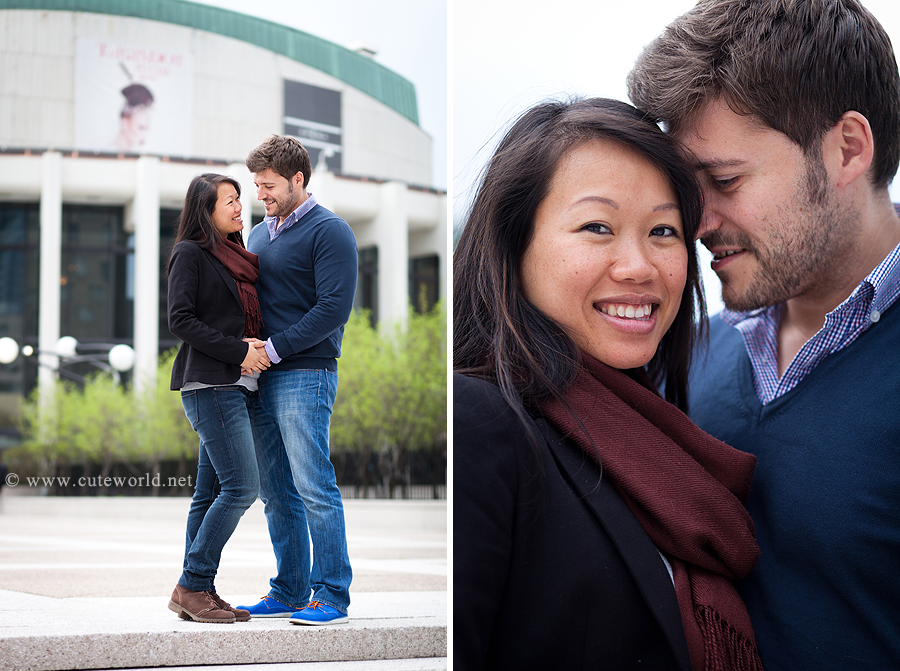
x=291, y=419
x=227, y=478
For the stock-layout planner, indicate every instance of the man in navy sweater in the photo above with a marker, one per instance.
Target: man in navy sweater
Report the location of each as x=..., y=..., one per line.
x=308, y=270
x=790, y=110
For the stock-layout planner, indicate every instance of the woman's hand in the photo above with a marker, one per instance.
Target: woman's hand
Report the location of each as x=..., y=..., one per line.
x=256, y=360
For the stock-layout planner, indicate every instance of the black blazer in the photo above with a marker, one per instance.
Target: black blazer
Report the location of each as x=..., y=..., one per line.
x=205, y=312
x=550, y=568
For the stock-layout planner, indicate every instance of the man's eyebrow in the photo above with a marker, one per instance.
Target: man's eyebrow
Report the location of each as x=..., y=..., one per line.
x=714, y=163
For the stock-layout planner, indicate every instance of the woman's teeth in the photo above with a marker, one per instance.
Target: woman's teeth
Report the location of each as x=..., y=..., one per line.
x=627, y=311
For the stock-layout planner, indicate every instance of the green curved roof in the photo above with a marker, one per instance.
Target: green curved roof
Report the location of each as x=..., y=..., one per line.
x=358, y=71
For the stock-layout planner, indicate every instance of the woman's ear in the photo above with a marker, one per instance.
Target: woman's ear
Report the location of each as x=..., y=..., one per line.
x=848, y=148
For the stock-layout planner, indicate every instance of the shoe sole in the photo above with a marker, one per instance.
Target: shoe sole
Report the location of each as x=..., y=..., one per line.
x=337, y=620
x=288, y=614
x=187, y=615
x=184, y=616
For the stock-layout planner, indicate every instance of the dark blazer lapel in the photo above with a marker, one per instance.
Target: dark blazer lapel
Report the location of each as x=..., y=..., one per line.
x=630, y=539
x=225, y=275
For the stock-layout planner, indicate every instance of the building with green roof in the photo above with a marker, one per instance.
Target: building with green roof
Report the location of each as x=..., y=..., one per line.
x=108, y=108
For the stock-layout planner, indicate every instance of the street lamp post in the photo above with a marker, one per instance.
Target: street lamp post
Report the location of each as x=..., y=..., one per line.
x=115, y=359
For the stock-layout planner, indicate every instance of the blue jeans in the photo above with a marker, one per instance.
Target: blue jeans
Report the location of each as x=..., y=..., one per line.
x=227, y=478
x=291, y=418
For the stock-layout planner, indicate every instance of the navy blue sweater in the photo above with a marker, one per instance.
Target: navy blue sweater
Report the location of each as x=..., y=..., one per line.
x=825, y=498
x=307, y=281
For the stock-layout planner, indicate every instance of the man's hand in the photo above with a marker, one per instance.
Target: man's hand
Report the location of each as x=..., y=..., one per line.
x=256, y=360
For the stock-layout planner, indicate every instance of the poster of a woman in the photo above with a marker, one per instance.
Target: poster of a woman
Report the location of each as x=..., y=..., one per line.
x=133, y=99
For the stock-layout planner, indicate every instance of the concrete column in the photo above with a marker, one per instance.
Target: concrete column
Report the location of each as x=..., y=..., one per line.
x=50, y=263
x=391, y=231
x=145, y=213
x=322, y=185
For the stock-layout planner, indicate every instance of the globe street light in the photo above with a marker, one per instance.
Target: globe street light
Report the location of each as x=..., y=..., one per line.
x=9, y=350
x=113, y=358
x=121, y=358
x=66, y=347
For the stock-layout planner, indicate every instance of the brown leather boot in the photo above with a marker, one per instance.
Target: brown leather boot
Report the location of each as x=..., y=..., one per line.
x=197, y=606
x=240, y=615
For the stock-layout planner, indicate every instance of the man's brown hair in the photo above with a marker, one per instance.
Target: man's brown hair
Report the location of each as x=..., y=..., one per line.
x=797, y=65
x=283, y=154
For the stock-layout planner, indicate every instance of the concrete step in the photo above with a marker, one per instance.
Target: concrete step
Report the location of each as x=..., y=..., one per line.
x=45, y=633
x=419, y=664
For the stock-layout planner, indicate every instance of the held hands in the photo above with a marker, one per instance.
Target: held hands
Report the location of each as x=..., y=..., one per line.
x=256, y=360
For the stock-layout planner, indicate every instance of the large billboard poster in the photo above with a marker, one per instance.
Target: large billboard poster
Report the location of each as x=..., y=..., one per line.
x=133, y=99
x=313, y=116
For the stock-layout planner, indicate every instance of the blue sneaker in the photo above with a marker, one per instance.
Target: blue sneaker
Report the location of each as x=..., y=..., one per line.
x=318, y=613
x=269, y=607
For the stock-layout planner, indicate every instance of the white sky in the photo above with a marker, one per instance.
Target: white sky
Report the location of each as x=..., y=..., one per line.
x=409, y=36
x=507, y=56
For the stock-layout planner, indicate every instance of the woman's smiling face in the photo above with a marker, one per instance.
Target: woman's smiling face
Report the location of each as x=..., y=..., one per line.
x=226, y=216
x=607, y=260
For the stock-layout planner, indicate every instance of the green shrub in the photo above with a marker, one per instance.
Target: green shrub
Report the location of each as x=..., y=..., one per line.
x=392, y=391
x=99, y=425
x=392, y=399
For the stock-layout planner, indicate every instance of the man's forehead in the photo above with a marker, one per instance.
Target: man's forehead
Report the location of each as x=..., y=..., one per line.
x=715, y=136
x=717, y=113
x=267, y=175
x=706, y=152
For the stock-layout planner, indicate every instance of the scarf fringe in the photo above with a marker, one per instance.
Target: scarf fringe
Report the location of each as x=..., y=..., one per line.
x=243, y=266
x=726, y=649
x=252, y=314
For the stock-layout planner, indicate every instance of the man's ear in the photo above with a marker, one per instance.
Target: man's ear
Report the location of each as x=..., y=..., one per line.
x=848, y=148
x=297, y=180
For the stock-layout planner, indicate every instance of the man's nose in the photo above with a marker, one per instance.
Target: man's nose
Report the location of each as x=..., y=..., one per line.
x=709, y=222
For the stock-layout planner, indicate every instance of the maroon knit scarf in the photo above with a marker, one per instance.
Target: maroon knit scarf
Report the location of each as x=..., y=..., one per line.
x=686, y=489
x=244, y=268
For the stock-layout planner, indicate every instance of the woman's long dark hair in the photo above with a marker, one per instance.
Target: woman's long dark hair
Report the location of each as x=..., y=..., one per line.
x=497, y=333
x=195, y=221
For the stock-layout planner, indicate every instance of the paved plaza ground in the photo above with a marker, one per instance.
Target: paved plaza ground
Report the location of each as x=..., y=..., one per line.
x=84, y=584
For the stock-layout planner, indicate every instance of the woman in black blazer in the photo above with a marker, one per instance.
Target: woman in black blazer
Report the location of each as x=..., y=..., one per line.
x=595, y=526
x=213, y=309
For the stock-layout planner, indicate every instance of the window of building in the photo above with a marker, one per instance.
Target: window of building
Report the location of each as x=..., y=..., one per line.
x=19, y=278
x=97, y=275
x=424, y=285
x=367, y=283
x=168, y=227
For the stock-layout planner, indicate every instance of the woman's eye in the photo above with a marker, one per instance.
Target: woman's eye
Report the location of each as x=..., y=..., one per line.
x=595, y=227
x=664, y=232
